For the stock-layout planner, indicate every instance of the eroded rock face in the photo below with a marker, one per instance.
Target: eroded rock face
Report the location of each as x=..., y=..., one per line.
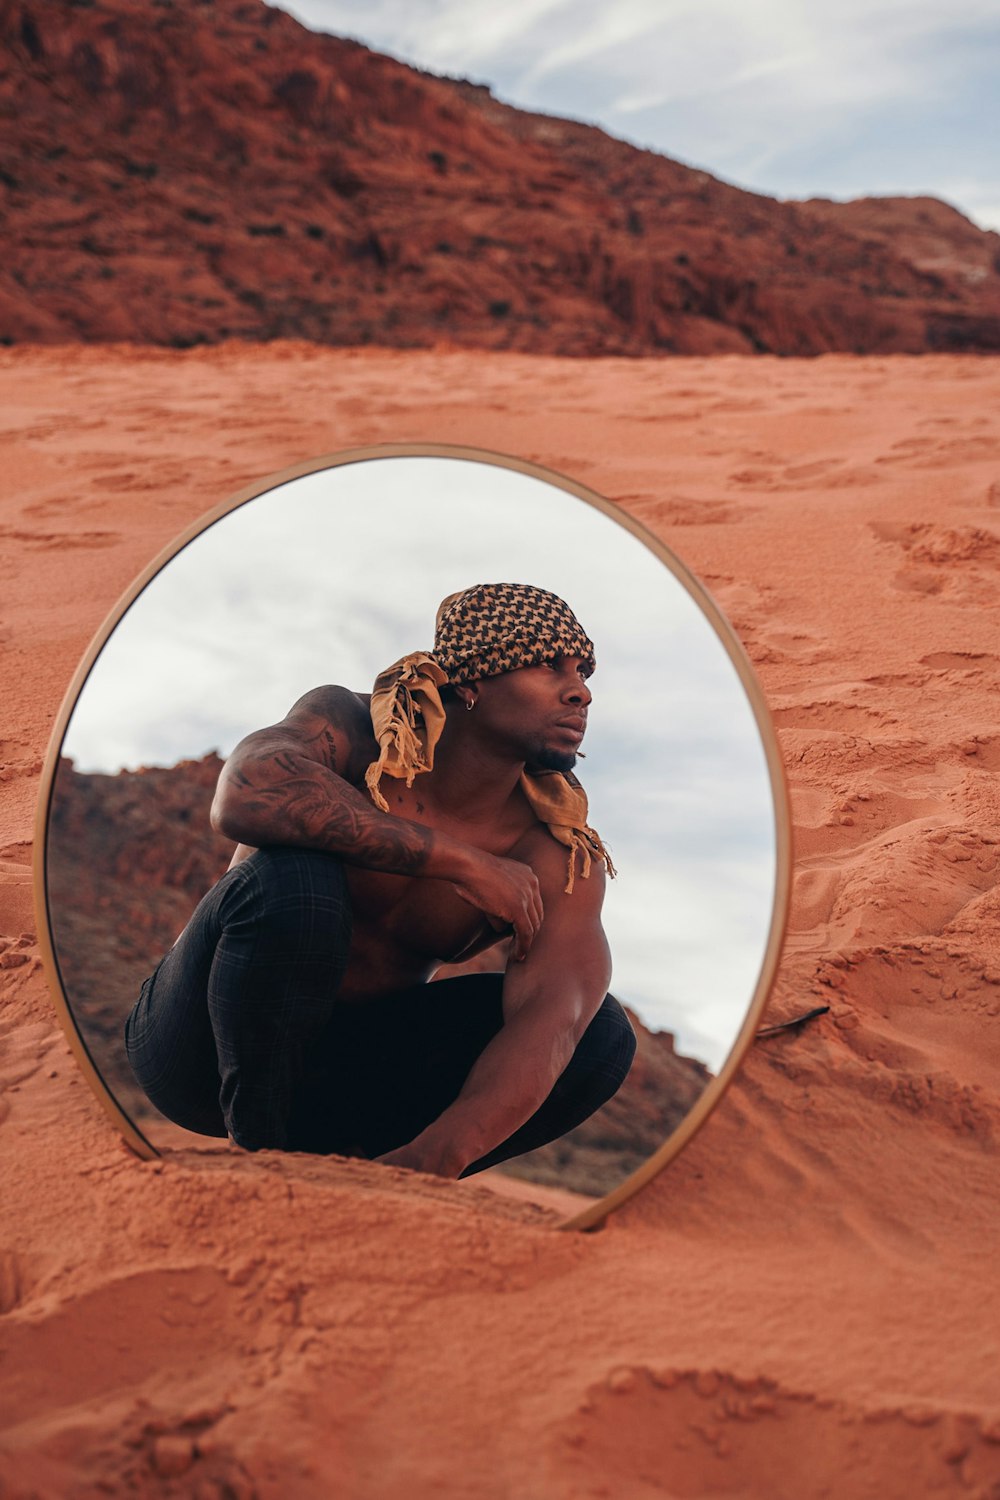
x=189, y=172
x=128, y=859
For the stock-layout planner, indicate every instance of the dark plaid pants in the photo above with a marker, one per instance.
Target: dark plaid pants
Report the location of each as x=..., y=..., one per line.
x=238, y=1030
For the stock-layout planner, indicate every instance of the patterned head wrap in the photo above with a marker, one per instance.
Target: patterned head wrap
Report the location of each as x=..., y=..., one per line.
x=484, y=631
x=498, y=627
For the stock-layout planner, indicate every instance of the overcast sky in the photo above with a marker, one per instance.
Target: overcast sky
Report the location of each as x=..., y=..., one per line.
x=787, y=97
x=333, y=576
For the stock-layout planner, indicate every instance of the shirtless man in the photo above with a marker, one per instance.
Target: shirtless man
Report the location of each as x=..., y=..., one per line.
x=294, y=1011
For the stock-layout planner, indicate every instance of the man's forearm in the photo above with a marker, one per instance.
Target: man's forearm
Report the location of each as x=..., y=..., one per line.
x=510, y=1080
x=284, y=797
x=307, y=807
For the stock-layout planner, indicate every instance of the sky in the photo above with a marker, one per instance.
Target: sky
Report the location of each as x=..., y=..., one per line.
x=315, y=581
x=786, y=97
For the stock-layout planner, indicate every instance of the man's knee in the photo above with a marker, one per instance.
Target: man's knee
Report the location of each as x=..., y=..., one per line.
x=296, y=894
x=607, y=1048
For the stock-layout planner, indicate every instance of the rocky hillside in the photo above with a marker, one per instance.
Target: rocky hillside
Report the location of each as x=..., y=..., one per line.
x=129, y=856
x=128, y=859
x=186, y=171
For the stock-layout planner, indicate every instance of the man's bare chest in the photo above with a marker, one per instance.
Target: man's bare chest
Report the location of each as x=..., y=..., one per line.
x=424, y=916
x=422, y=919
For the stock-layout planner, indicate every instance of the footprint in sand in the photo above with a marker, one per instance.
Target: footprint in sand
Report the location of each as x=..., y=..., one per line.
x=12, y=1281
x=906, y=447
x=941, y=559
x=683, y=510
x=17, y=908
x=788, y=643
x=105, y=1343
x=831, y=713
x=958, y=661
x=980, y=748
x=823, y=474
x=749, y=608
x=830, y=821
x=930, y=453
x=731, y=405
x=45, y=540
x=121, y=481
x=16, y=760
x=816, y=470
x=716, y=1432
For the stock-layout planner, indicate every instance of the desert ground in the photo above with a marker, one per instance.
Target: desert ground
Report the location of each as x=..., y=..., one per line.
x=805, y=1303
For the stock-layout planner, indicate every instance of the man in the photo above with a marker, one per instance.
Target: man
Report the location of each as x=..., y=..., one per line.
x=295, y=1012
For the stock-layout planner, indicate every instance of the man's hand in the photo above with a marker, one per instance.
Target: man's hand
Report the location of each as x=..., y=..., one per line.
x=507, y=893
x=429, y=1152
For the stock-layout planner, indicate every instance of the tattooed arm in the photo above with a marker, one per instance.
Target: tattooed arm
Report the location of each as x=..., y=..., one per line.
x=290, y=784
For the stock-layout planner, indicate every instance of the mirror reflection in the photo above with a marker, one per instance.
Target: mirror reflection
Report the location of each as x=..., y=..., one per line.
x=427, y=990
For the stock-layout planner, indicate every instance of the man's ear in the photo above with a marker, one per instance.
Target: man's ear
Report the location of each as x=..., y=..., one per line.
x=468, y=694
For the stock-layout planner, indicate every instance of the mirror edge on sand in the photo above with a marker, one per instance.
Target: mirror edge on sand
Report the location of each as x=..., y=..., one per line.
x=595, y=1213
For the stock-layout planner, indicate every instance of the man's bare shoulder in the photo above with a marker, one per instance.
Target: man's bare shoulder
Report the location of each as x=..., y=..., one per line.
x=550, y=861
x=336, y=723
x=337, y=705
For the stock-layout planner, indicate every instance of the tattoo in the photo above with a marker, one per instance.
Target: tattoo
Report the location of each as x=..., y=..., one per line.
x=283, y=786
x=322, y=743
x=302, y=809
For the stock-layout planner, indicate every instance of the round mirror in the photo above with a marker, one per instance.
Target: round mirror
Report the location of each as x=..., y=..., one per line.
x=328, y=573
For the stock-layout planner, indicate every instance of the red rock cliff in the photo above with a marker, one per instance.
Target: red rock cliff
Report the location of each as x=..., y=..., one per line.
x=197, y=170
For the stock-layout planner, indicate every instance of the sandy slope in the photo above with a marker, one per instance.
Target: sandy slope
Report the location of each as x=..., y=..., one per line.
x=807, y=1303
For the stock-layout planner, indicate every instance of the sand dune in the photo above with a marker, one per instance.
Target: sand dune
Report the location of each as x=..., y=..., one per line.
x=806, y=1303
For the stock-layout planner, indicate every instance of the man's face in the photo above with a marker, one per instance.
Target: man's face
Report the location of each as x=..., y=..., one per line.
x=540, y=711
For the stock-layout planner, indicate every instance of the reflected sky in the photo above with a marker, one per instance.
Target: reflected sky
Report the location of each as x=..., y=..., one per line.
x=331, y=577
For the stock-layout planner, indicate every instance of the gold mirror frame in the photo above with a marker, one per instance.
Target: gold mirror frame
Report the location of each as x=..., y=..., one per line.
x=596, y=1212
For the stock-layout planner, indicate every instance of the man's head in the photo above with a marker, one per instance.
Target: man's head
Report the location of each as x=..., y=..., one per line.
x=519, y=655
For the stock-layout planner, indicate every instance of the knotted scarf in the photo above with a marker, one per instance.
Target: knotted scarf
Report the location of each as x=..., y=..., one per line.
x=483, y=632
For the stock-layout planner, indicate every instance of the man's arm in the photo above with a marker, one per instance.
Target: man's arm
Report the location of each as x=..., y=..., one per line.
x=548, y=1001
x=290, y=785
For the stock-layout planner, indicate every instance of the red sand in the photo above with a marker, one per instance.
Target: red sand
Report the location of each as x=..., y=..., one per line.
x=806, y=1303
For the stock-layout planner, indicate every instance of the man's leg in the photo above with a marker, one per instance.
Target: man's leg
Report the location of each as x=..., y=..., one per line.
x=594, y=1074
x=384, y=1070
x=220, y=1032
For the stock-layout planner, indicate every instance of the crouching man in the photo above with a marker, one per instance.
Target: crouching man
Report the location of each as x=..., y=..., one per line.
x=380, y=837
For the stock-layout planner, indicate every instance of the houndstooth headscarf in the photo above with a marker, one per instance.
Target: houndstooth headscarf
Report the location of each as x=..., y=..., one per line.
x=484, y=631
x=498, y=627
